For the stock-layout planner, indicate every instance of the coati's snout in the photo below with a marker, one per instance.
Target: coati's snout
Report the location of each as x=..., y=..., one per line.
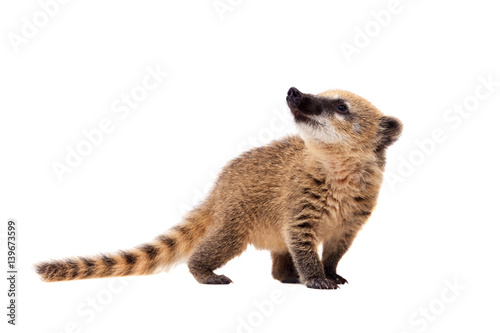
x=294, y=97
x=303, y=105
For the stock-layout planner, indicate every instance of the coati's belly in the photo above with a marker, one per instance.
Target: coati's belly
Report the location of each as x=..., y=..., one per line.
x=267, y=238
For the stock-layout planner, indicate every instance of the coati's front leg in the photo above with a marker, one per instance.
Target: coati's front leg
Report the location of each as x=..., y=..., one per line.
x=302, y=244
x=333, y=250
x=218, y=247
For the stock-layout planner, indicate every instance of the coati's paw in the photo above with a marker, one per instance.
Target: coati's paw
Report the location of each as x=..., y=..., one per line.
x=337, y=279
x=321, y=284
x=290, y=280
x=218, y=279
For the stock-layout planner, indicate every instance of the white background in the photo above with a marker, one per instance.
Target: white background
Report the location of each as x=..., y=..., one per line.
x=437, y=220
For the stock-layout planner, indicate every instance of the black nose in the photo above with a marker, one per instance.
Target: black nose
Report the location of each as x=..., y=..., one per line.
x=294, y=97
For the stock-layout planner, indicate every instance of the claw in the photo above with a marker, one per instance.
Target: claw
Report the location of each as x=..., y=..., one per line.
x=218, y=279
x=338, y=279
x=321, y=284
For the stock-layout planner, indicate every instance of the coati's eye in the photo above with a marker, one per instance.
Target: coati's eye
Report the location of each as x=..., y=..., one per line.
x=342, y=108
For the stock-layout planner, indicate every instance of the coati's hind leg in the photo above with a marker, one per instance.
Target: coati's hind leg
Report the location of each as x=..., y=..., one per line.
x=218, y=247
x=284, y=268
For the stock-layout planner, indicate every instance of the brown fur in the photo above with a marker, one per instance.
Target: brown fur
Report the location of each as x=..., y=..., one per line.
x=287, y=197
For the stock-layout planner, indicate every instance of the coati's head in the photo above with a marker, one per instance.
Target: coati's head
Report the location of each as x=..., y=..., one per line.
x=341, y=118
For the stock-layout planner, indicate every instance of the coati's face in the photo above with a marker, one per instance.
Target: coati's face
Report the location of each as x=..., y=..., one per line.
x=337, y=117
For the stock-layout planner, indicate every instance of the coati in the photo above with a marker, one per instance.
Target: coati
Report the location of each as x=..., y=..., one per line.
x=287, y=197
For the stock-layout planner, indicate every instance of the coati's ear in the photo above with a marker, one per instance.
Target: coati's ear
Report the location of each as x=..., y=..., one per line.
x=389, y=130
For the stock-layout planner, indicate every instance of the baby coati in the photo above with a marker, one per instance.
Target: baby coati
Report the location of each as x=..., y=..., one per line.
x=287, y=197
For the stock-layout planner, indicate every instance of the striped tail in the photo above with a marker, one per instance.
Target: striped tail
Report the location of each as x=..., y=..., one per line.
x=149, y=258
